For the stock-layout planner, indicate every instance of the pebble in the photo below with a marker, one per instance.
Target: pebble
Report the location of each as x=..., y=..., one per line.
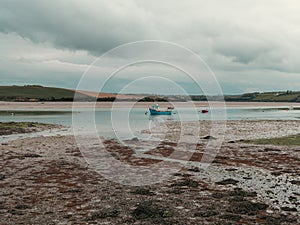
x=269, y=211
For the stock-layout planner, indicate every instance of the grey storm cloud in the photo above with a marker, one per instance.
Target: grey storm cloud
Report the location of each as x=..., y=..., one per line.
x=232, y=30
x=237, y=38
x=95, y=26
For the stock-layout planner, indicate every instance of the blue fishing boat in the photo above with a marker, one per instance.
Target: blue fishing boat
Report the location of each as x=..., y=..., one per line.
x=155, y=110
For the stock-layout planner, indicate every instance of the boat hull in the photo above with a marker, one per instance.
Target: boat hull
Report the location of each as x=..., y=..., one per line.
x=154, y=112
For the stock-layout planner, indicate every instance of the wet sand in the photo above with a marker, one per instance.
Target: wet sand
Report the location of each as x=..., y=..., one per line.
x=68, y=105
x=45, y=180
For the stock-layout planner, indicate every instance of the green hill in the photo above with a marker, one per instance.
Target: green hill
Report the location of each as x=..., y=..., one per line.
x=282, y=96
x=38, y=93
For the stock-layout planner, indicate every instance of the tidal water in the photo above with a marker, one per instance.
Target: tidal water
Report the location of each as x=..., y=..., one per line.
x=127, y=123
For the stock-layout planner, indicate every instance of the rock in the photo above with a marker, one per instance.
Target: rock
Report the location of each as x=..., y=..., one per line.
x=271, y=150
x=218, y=195
x=288, y=209
x=187, y=182
x=22, y=207
x=177, y=174
x=207, y=213
x=208, y=137
x=194, y=169
x=269, y=220
x=231, y=169
x=143, y=191
x=278, y=219
x=232, y=217
x=104, y=214
x=16, y=212
x=2, y=177
x=31, y=155
x=236, y=198
x=287, y=171
x=242, y=193
x=293, y=199
x=246, y=207
x=134, y=139
x=297, y=182
x=176, y=191
x=227, y=181
x=148, y=209
x=276, y=173
x=74, y=191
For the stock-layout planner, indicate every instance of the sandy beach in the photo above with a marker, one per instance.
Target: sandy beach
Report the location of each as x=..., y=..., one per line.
x=45, y=180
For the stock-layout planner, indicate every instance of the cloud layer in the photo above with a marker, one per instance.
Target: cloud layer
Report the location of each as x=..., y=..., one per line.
x=250, y=45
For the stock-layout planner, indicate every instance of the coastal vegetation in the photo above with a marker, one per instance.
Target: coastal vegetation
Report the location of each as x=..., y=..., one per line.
x=293, y=140
x=7, y=128
x=281, y=96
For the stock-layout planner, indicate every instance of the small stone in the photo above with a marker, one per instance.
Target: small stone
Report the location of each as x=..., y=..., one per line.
x=194, y=169
x=227, y=181
x=231, y=169
x=31, y=155
x=288, y=209
x=276, y=173
x=2, y=177
x=232, y=217
x=269, y=211
x=297, y=182
x=134, y=139
x=208, y=213
x=208, y=137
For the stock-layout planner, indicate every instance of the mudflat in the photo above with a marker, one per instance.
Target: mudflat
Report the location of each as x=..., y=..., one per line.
x=46, y=180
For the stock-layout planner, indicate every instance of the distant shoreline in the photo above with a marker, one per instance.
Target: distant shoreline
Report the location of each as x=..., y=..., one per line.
x=38, y=93
x=68, y=105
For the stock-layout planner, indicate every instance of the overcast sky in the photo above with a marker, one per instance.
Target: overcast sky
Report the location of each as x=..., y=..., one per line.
x=250, y=45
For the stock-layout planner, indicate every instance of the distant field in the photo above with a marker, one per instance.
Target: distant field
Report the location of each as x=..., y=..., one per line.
x=287, y=96
x=37, y=93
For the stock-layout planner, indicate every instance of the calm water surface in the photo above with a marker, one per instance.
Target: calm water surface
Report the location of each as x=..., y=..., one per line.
x=126, y=123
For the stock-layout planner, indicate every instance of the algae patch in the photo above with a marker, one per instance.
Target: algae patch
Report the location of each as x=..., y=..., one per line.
x=7, y=128
x=293, y=140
